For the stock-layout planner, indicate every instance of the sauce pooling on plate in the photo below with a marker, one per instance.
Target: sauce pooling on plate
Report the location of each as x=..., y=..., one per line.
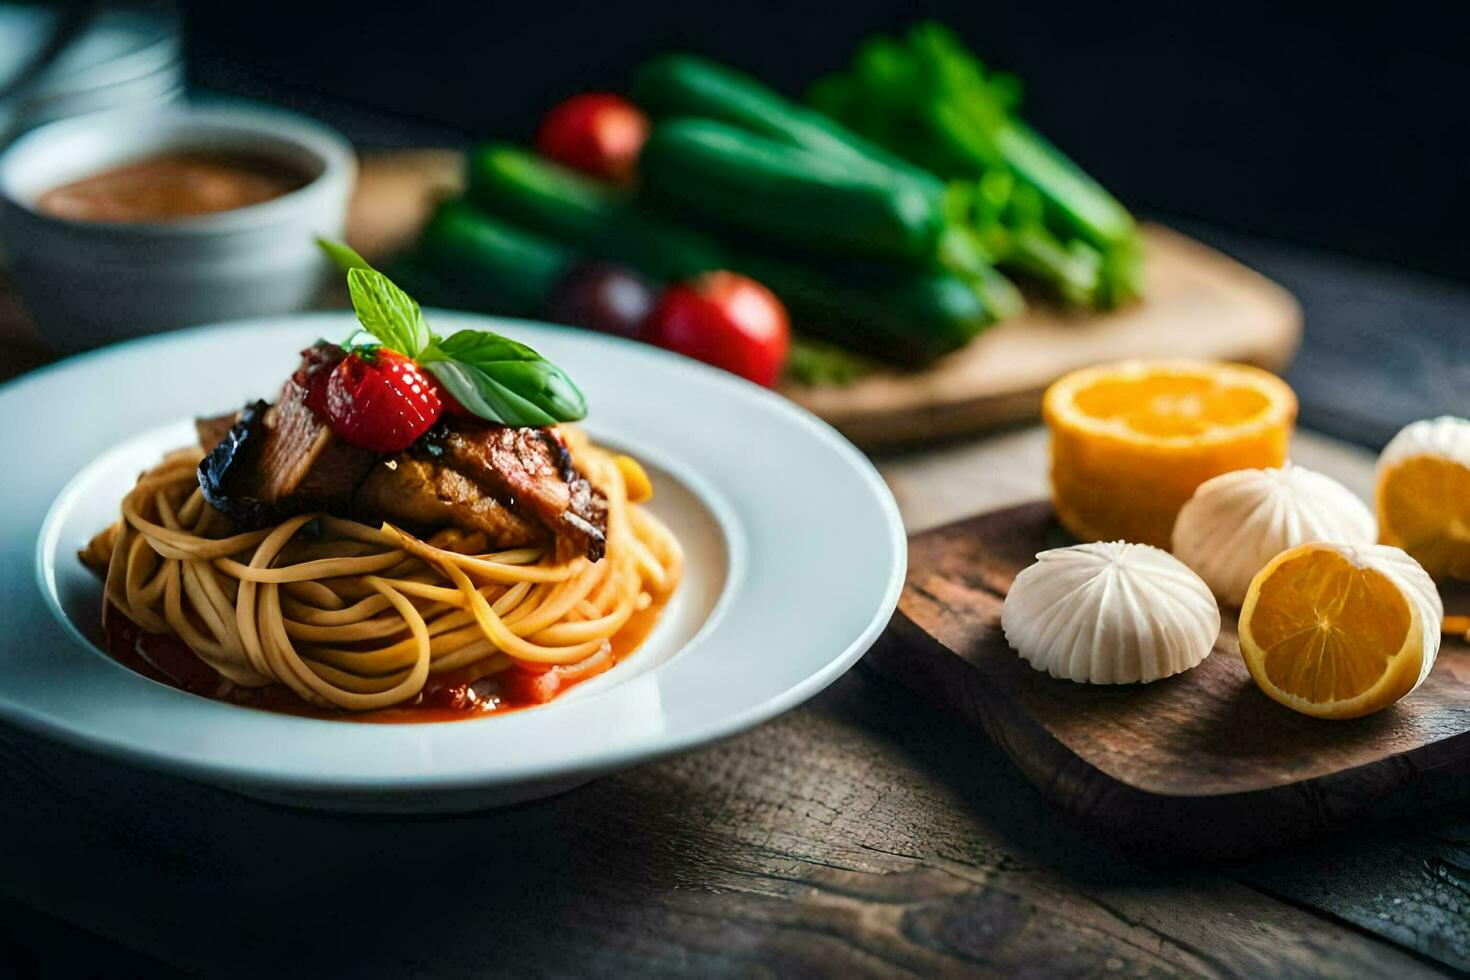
x=468, y=692
x=172, y=186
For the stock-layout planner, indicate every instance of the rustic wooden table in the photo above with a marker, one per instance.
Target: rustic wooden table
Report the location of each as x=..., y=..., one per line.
x=859, y=834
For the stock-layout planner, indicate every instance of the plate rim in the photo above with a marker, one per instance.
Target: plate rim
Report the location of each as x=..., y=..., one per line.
x=632, y=751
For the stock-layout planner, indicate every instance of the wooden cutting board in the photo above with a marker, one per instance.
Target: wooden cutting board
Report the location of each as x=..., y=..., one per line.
x=1199, y=303
x=1198, y=766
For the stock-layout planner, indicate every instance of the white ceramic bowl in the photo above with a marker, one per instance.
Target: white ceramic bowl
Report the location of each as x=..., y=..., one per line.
x=90, y=283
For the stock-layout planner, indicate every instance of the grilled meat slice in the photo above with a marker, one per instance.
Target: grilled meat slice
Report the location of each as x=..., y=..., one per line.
x=518, y=485
x=212, y=431
x=228, y=472
x=270, y=462
x=421, y=493
x=532, y=472
x=301, y=460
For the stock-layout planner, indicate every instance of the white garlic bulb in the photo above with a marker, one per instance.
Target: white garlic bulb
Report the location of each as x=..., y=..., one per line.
x=1237, y=522
x=1110, y=613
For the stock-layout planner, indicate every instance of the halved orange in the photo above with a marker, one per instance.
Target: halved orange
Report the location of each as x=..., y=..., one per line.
x=1423, y=495
x=1337, y=631
x=1131, y=441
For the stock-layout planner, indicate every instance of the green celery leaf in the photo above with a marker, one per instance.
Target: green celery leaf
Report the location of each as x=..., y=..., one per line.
x=817, y=363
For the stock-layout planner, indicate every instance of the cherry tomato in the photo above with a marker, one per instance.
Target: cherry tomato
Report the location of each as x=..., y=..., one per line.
x=598, y=133
x=603, y=297
x=727, y=320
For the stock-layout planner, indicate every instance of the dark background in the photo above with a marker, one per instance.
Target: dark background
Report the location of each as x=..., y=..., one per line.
x=1340, y=126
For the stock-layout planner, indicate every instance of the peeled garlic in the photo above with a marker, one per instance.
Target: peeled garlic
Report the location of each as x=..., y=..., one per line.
x=1110, y=613
x=1237, y=522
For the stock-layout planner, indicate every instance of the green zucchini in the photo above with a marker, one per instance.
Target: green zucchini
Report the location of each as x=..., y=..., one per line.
x=558, y=202
x=487, y=264
x=910, y=320
x=788, y=194
x=905, y=316
x=687, y=85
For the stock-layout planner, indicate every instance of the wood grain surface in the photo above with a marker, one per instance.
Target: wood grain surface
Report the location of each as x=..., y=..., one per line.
x=1198, y=304
x=863, y=835
x=1200, y=765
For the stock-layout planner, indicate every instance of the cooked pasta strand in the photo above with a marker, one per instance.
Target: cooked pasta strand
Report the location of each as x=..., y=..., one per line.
x=357, y=617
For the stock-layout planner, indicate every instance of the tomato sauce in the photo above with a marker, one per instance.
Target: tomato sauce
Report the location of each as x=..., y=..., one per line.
x=170, y=186
x=452, y=696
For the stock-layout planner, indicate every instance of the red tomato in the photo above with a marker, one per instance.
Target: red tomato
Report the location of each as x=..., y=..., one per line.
x=525, y=684
x=598, y=133
x=521, y=686
x=727, y=320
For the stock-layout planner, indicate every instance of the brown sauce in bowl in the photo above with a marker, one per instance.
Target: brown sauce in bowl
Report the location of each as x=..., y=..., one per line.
x=171, y=186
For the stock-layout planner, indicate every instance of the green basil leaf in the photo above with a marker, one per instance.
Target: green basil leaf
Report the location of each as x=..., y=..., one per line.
x=484, y=347
x=487, y=397
x=342, y=255
x=520, y=382
x=543, y=383
x=387, y=312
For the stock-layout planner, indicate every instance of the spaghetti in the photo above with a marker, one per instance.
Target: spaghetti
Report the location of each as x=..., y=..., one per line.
x=354, y=617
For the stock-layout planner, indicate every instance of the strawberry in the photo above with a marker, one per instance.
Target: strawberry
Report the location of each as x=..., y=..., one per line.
x=379, y=400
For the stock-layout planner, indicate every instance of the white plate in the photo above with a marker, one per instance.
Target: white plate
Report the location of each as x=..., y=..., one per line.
x=795, y=558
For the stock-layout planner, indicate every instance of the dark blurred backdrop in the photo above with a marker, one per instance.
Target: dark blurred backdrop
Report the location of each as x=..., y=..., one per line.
x=1344, y=129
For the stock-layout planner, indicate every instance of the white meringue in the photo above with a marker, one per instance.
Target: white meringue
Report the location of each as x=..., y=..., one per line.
x=1237, y=522
x=1110, y=613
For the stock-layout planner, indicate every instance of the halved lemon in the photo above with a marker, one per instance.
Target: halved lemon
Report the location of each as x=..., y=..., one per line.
x=1424, y=495
x=1131, y=441
x=1337, y=631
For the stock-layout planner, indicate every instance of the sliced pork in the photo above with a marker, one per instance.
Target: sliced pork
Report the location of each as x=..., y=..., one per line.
x=418, y=493
x=518, y=485
x=531, y=470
